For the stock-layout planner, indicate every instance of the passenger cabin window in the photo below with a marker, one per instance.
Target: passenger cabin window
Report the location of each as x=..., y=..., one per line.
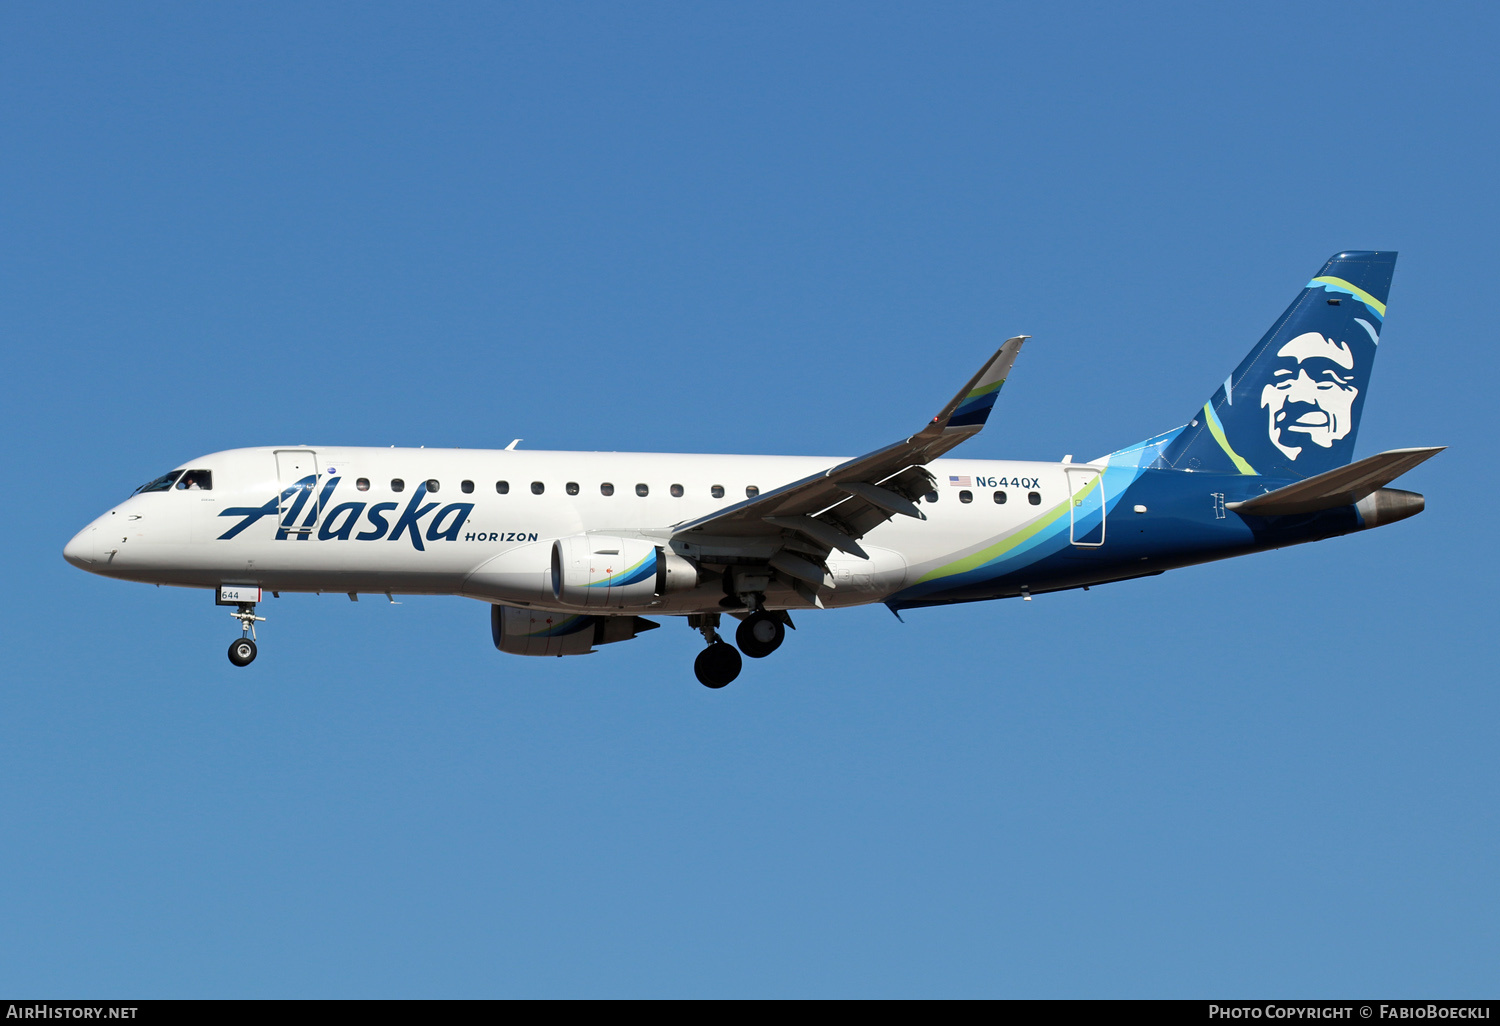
x=432, y=484
x=930, y=497
x=965, y=496
x=502, y=487
x=606, y=489
x=677, y=491
x=161, y=484
x=196, y=481
x=572, y=487
x=466, y=486
x=398, y=485
x=642, y=490
x=751, y=491
x=363, y=484
x=1000, y=498
x=1033, y=498
x=537, y=488
x=717, y=491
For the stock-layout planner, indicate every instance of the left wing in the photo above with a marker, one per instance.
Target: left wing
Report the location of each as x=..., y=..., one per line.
x=835, y=508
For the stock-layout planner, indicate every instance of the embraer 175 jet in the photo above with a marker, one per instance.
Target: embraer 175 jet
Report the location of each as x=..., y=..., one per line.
x=570, y=548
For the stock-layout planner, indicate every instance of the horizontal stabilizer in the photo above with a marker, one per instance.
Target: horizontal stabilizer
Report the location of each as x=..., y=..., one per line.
x=1342, y=486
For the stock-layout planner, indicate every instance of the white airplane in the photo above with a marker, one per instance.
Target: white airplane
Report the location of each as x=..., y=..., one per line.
x=569, y=548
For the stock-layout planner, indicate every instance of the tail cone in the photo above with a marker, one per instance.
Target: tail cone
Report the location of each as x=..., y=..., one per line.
x=1388, y=505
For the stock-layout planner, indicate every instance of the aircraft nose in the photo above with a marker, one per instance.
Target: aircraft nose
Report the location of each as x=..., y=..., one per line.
x=80, y=551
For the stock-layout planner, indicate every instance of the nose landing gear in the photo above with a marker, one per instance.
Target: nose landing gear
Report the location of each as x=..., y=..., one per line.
x=242, y=651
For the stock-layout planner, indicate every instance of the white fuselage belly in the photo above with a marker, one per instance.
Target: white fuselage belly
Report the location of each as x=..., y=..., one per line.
x=177, y=537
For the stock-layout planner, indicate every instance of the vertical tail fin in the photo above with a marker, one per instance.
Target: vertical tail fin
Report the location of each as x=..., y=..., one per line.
x=1291, y=408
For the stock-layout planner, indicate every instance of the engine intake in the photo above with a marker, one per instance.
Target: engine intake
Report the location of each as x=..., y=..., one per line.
x=600, y=571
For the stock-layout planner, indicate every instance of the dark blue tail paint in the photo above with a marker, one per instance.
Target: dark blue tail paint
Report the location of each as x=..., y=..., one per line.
x=1291, y=408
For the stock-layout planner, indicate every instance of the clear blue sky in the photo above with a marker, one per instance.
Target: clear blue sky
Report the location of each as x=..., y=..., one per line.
x=773, y=228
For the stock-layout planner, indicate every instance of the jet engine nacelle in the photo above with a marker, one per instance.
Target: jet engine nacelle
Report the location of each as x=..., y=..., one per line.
x=601, y=571
x=538, y=633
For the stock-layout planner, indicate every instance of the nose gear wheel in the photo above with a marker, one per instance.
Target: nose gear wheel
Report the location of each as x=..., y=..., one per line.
x=242, y=652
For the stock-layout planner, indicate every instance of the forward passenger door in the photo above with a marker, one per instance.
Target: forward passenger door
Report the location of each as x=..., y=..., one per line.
x=297, y=480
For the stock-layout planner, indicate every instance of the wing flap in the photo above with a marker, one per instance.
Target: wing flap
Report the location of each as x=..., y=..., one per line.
x=820, y=531
x=884, y=498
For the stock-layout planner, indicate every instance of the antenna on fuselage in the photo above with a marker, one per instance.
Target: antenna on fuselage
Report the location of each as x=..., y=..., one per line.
x=513, y=443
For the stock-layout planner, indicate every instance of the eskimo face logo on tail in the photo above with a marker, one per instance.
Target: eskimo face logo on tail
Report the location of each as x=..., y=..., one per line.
x=1310, y=397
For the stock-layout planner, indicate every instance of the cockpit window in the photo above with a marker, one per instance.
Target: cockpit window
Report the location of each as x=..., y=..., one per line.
x=196, y=481
x=161, y=484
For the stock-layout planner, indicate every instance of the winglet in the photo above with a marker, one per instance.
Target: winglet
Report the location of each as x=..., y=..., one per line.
x=971, y=407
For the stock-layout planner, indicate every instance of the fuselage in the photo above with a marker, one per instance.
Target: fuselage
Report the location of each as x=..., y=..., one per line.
x=480, y=523
x=569, y=548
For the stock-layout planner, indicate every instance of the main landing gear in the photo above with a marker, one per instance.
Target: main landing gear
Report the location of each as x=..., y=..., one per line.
x=242, y=650
x=719, y=663
x=758, y=635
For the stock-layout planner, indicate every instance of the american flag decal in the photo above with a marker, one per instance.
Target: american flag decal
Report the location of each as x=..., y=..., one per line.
x=960, y=482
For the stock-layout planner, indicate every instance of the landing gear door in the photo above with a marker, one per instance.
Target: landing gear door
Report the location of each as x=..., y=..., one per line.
x=1086, y=506
x=297, y=474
